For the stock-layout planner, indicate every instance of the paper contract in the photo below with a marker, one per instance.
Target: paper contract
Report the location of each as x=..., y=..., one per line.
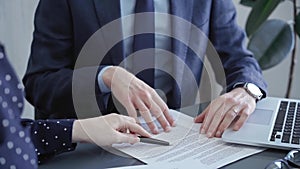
x=188, y=145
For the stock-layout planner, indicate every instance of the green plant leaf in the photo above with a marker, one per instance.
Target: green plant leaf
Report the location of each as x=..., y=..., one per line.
x=297, y=26
x=260, y=12
x=272, y=42
x=249, y=3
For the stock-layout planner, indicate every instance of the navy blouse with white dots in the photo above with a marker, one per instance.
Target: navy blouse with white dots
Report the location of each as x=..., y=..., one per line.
x=24, y=143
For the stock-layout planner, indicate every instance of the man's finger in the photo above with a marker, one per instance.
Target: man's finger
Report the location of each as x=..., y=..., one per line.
x=228, y=119
x=145, y=113
x=156, y=111
x=200, y=117
x=210, y=112
x=244, y=115
x=131, y=110
x=219, y=116
x=164, y=109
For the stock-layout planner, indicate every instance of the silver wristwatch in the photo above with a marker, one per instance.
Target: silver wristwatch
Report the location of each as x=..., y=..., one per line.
x=253, y=90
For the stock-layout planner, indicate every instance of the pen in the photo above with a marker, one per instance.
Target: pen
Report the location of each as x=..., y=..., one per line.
x=153, y=141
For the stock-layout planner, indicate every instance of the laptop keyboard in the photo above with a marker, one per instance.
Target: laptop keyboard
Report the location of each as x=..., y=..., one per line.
x=287, y=123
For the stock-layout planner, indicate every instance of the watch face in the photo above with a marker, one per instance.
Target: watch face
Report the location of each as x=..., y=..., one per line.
x=254, y=89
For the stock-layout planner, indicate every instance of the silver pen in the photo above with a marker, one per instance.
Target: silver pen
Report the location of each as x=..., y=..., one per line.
x=153, y=141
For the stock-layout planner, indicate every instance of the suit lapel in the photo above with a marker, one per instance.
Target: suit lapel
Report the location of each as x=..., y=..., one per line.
x=107, y=11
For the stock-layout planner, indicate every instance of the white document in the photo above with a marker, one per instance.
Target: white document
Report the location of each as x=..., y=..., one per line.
x=188, y=148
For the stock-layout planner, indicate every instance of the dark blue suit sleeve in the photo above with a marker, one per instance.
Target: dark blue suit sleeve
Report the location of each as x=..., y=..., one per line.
x=48, y=79
x=54, y=50
x=229, y=41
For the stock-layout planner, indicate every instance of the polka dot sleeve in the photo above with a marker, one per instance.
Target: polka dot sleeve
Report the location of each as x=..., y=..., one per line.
x=16, y=148
x=50, y=137
x=22, y=140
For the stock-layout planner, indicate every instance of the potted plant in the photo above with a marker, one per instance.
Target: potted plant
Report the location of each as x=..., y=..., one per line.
x=272, y=40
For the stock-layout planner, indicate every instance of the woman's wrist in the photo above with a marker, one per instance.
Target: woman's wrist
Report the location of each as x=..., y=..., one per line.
x=78, y=133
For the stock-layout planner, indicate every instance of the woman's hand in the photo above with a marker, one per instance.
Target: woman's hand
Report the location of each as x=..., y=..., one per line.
x=107, y=130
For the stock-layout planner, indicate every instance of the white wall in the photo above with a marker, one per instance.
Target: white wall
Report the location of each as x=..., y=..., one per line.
x=16, y=26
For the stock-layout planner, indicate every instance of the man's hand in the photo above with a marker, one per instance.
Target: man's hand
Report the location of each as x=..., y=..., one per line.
x=107, y=130
x=136, y=96
x=224, y=110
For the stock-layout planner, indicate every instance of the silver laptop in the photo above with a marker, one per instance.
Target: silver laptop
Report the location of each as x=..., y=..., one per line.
x=275, y=123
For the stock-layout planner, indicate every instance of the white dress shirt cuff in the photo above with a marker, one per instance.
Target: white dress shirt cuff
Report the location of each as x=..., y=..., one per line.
x=103, y=87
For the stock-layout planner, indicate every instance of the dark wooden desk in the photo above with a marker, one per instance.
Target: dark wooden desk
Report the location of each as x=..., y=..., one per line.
x=93, y=157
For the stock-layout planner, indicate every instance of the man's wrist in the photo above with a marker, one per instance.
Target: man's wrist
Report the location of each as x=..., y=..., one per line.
x=103, y=80
x=253, y=90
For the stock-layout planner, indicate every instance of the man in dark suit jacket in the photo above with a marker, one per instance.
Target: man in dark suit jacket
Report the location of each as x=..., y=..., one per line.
x=62, y=27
